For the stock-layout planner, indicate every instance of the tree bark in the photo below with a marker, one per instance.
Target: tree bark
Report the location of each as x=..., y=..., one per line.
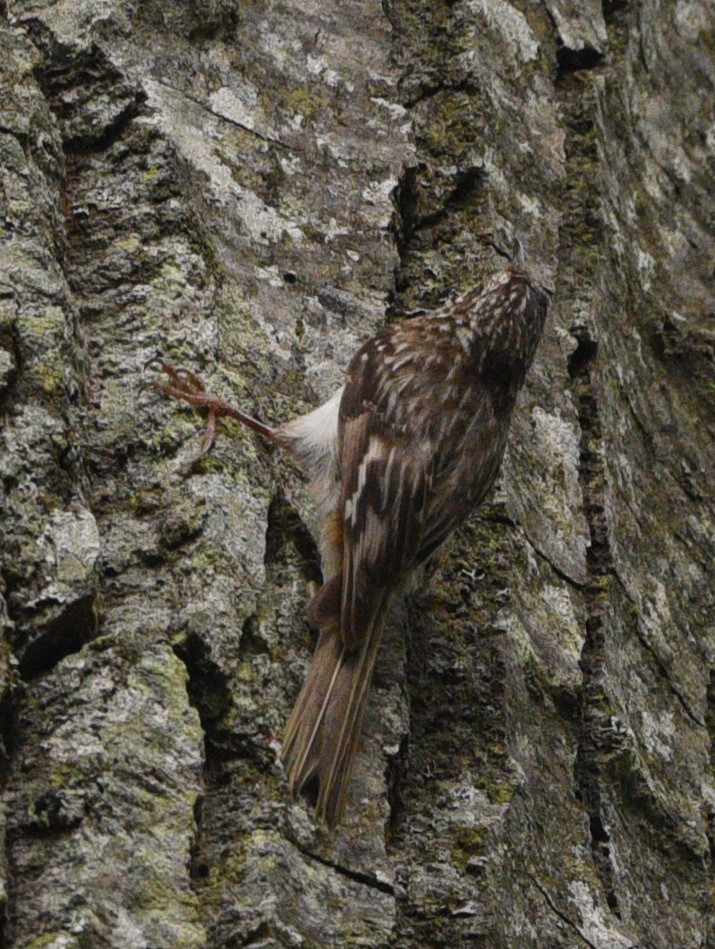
x=252, y=189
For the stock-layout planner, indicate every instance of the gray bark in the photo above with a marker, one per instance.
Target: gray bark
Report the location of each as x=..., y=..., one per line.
x=252, y=189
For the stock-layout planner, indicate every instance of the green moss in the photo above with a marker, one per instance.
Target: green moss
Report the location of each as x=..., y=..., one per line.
x=313, y=233
x=335, y=902
x=128, y=244
x=468, y=843
x=101, y=643
x=705, y=40
x=500, y=793
x=304, y=102
x=454, y=125
x=165, y=439
x=206, y=558
x=48, y=324
x=33, y=819
x=51, y=939
x=246, y=673
x=50, y=378
x=207, y=464
x=274, y=181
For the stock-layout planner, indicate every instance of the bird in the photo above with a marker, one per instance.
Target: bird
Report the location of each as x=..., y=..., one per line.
x=401, y=455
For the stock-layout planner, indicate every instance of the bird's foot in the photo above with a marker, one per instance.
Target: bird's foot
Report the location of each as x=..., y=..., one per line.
x=186, y=385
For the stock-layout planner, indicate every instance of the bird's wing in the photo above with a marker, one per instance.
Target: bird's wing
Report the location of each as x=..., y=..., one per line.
x=387, y=472
x=383, y=499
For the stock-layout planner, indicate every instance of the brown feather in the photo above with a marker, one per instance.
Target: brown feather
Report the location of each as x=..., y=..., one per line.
x=322, y=733
x=401, y=454
x=422, y=427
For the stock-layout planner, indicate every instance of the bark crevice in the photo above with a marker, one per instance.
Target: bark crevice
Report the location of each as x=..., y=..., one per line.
x=358, y=876
x=582, y=217
x=288, y=183
x=561, y=915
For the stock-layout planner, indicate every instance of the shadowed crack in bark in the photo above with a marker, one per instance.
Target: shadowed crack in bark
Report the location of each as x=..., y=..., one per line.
x=583, y=216
x=660, y=665
x=359, y=876
x=286, y=528
x=599, y=565
x=428, y=92
x=561, y=574
x=580, y=371
x=193, y=655
x=144, y=203
x=8, y=736
x=222, y=117
x=562, y=916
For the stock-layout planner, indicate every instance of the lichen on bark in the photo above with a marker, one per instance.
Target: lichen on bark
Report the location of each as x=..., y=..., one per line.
x=252, y=189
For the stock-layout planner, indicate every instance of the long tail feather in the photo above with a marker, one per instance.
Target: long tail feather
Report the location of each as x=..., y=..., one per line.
x=323, y=731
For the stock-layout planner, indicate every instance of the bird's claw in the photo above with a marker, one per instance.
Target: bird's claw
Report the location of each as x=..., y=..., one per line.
x=181, y=378
x=188, y=387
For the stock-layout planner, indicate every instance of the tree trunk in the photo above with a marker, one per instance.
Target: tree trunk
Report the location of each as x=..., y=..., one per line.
x=252, y=189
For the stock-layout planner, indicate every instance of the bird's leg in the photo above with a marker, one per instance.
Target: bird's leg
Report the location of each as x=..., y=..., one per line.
x=186, y=385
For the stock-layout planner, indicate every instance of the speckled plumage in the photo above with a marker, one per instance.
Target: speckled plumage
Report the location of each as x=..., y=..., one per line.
x=399, y=457
x=421, y=431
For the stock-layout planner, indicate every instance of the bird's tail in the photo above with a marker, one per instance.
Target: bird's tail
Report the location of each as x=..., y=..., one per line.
x=322, y=734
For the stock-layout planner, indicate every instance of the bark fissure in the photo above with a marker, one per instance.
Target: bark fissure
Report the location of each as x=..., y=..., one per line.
x=582, y=56
x=588, y=768
x=583, y=216
x=12, y=338
x=208, y=693
x=576, y=60
x=659, y=664
x=285, y=527
x=65, y=635
x=562, y=916
x=225, y=118
x=296, y=181
x=561, y=574
x=358, y=876
x=404, y=198
x=710, y=811
x=8, y=738
x=430, y=91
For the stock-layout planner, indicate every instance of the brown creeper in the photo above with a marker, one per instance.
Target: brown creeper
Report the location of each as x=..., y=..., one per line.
x=413, y=442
